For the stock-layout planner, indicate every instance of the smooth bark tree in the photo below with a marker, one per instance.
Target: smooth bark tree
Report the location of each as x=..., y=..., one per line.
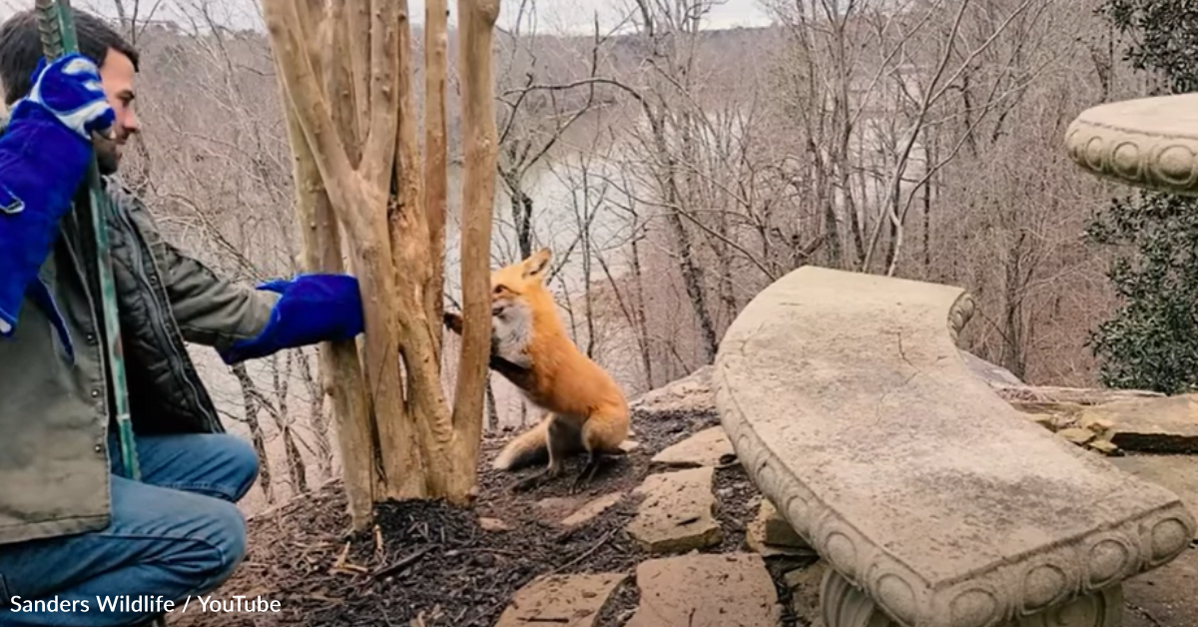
x=345, y=75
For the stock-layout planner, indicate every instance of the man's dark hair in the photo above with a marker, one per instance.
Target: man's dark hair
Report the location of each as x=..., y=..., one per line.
x=21, y=48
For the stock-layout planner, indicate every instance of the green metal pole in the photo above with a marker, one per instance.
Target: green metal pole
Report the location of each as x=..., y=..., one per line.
x=57, y=28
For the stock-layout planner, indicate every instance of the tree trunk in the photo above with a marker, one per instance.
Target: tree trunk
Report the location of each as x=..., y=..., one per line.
x=436, y=167
x=341, y=371
x=476, y=27
x=296, y=468
x=346, y=80
x=642, y=325
x=492, y=410
x=320, y=421
x=257, y=439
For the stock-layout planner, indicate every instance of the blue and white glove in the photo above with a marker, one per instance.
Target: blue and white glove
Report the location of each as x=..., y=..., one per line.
x=71, y=90
x=44, y=153
x=313, y=308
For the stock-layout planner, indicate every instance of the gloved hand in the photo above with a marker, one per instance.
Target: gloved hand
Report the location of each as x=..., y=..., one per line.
x=44, y=154
x=313, y=308
x=70, y=89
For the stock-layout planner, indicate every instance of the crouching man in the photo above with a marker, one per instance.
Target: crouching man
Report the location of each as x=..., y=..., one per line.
x=72, y=528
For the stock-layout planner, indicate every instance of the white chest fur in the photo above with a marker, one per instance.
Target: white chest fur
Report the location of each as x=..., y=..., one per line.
x=511, y=332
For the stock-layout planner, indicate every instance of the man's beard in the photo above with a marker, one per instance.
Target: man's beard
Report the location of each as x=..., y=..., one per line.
x=107, y=162
x=107, y=157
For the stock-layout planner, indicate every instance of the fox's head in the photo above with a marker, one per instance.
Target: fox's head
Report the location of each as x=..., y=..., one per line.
x=521, y=283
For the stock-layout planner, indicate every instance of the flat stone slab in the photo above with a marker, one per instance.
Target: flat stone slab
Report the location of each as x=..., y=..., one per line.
x=677, y=513
x=1156, y=425
x=1069, y=422
x=709, y=447
x=778, y=532
x=706, y=590
x=565, y=600
x=688, y=395
x=784, y=543
x=755, y=540
x=555, y=508
x=850, y=406
x=1065, y=395
x=593, y=508
x=1150, y=143
x=493, y=524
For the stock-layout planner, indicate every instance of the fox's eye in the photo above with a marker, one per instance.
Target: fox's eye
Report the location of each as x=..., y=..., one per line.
x=498, y=289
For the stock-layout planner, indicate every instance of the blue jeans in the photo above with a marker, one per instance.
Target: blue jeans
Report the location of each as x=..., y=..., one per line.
x=176, y=533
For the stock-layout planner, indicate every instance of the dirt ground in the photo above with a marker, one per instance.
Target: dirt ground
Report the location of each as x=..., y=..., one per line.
x=433, y=565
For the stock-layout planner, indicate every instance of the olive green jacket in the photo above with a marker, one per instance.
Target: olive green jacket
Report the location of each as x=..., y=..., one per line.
x=55, y=407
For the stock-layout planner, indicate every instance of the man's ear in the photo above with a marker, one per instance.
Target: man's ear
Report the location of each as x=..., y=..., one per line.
x=536, y=263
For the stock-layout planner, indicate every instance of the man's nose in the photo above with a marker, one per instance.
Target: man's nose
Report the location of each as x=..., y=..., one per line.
x=130, y=123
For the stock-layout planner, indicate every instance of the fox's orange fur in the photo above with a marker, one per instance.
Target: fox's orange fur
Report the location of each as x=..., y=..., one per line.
x=587, y=410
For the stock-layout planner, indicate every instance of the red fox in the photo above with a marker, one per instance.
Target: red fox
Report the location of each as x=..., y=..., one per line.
x=587, y=410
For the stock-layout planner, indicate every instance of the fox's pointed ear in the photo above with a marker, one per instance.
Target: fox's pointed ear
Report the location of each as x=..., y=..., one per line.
x=536, y=263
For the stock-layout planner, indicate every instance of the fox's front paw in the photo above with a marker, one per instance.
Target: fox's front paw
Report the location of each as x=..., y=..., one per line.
x=520, y=359
x=453, y=321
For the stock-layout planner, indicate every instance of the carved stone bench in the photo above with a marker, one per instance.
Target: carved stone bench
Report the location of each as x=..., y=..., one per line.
x=933, y=502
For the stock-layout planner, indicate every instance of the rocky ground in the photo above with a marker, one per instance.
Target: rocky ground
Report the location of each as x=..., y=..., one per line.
x=539, y=557
x=673, y=535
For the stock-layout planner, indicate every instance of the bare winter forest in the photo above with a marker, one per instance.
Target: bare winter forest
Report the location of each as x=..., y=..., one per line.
x=676, y=170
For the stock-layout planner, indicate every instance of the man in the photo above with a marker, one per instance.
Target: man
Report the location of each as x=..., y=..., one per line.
x=72, y=530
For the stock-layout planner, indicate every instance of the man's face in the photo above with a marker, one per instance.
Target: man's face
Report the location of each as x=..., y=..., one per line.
x=116, y=73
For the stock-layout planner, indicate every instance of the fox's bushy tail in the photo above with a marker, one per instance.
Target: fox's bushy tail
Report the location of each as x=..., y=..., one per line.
x=528, y=448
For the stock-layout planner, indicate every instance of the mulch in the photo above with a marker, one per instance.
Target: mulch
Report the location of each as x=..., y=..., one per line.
x=430, y=564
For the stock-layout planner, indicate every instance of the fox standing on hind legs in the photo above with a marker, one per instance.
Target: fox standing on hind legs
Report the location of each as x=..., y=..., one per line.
x=529, y=346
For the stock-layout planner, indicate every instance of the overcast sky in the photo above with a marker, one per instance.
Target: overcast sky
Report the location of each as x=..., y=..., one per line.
x=551, y=15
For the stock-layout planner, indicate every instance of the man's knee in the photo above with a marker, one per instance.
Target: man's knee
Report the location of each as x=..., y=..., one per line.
x=225, y=538
x=240, y=460
x=170, y=542
x=203, y=550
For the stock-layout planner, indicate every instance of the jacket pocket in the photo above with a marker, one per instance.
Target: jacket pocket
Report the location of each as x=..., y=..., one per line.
x=41, y=294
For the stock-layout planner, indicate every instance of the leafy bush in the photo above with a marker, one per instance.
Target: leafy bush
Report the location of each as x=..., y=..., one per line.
x=1152, y=341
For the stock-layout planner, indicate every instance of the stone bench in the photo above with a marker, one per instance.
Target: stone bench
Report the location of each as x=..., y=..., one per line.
x=933, y=502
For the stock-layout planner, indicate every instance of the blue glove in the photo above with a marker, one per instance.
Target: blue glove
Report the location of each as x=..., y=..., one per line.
x=313, y=308
x=44, y=154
